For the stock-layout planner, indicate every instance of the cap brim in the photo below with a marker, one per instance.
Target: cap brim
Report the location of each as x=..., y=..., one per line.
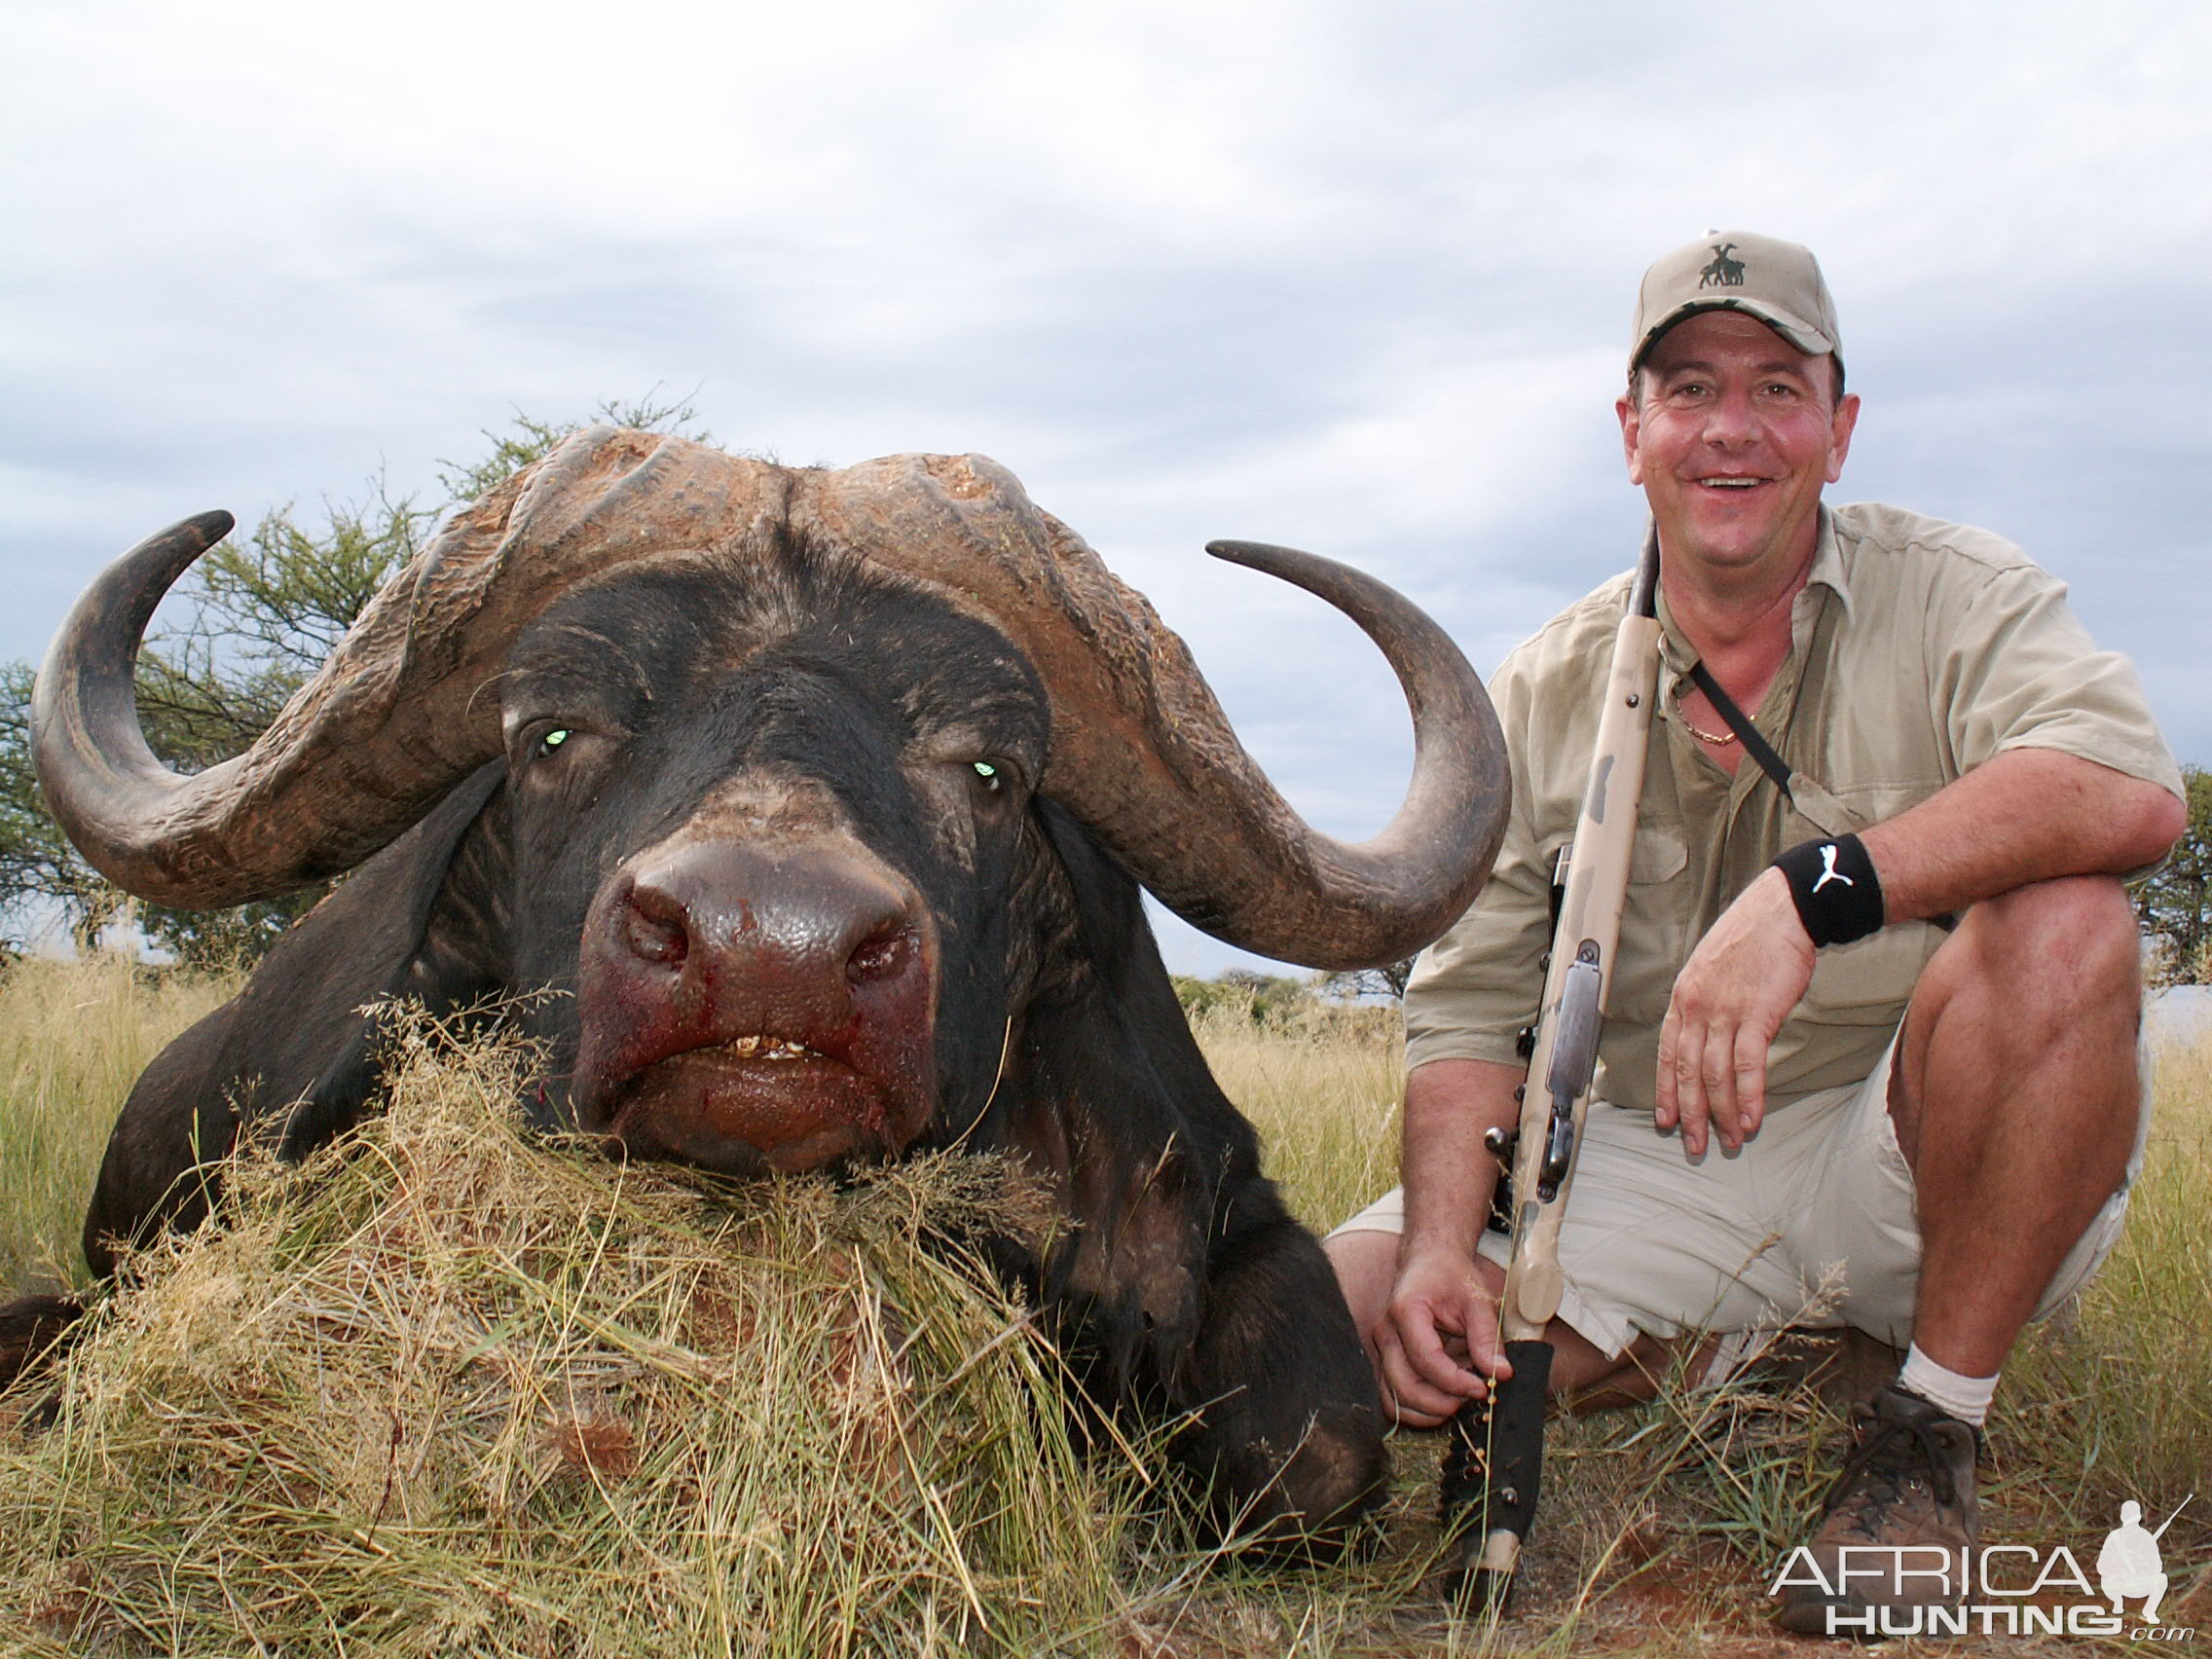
x=1791, y=327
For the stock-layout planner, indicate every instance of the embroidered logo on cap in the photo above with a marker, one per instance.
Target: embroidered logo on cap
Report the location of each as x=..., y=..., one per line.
x=1723, y=272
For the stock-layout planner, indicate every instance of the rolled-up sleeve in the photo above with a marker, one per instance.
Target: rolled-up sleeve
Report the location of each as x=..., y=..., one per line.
x=2019, y=670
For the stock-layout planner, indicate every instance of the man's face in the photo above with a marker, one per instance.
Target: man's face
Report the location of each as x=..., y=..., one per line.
x=1732, y=435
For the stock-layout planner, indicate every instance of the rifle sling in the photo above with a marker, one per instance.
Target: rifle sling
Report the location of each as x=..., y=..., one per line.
x=1746, y=734
x=1761, y=751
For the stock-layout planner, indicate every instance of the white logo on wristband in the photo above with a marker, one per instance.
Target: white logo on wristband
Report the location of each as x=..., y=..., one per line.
x=1828, y=872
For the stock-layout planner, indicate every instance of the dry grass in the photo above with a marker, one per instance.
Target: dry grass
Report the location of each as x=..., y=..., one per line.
x=74, y=1036
x=2113, y=1399
x=449, y=1389
x=459, y=1391
x=1325, y=1097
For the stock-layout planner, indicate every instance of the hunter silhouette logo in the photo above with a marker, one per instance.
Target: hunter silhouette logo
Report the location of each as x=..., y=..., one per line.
x=1723, y=272
x=2130, y=1563
x=2017, y=1590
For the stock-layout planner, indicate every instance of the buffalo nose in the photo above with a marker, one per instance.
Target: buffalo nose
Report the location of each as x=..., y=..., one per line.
x=808, y=924
x=745, y=1005
x=655, y=925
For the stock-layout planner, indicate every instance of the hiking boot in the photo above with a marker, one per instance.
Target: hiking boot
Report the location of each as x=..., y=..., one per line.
x=1898, y=1533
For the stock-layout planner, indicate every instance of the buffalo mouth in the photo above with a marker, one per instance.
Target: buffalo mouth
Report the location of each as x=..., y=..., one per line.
x=749, y=1008
x=760, y=1102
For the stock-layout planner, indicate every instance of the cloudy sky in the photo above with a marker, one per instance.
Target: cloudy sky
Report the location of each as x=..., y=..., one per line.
x=1353, y=276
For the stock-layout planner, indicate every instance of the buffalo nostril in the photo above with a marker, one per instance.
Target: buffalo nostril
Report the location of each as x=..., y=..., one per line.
x=881, y=955
x=652, y=927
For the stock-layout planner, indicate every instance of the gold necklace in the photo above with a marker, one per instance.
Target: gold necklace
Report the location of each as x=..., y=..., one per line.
x=1721, y=741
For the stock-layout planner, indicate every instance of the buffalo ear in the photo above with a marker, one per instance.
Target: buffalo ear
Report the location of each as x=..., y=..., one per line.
x=297, y=1047
x=422, y=920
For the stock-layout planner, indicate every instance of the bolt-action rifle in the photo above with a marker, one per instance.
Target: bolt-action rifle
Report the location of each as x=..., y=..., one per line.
x=1497, y=1451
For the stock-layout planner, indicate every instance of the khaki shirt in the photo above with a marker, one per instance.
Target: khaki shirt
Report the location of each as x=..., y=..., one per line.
x=1918, y=650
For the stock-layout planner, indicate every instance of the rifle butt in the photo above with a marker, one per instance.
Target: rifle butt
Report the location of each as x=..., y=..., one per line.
x=1492, y=1472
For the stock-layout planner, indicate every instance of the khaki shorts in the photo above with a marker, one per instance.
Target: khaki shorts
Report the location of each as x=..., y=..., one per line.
x=1812, y=1224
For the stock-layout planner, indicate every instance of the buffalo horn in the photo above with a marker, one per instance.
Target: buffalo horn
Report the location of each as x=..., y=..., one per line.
x=407, y=705
x=1141, y=751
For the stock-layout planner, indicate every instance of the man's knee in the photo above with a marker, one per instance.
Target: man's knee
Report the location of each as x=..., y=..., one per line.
x=2070, y=907
x=2066, y=944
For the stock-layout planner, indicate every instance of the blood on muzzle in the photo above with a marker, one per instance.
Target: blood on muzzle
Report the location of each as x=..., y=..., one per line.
x=746, y=1006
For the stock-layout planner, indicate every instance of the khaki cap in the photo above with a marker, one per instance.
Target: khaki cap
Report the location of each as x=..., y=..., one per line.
x=1776, y=282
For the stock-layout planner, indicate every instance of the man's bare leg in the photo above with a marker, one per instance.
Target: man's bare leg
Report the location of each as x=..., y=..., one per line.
x=2015, y=1096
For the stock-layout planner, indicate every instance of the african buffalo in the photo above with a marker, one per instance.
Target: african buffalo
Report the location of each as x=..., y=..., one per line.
x=824, y=796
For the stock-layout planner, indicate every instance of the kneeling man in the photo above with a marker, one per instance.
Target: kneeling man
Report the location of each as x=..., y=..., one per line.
x=1874, y=1017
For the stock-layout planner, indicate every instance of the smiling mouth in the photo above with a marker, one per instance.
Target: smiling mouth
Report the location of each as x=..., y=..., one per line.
x=1732, y=483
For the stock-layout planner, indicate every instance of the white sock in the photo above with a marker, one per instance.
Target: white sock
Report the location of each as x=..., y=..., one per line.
x=1965, y=1398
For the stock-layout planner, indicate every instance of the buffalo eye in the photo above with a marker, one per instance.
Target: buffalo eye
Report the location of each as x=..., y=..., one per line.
x=551, y=744
x=999, y=782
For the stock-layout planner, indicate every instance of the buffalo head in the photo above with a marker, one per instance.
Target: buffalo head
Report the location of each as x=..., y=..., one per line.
x=788, y=759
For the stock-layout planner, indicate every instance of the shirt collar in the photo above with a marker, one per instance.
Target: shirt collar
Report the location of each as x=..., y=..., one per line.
x=1829, y=571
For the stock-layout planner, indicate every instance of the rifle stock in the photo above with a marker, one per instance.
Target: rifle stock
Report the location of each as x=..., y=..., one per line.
x=1495, y=1455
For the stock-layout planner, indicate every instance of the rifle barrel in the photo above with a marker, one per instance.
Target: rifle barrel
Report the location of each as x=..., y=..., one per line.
x=1497, y=1445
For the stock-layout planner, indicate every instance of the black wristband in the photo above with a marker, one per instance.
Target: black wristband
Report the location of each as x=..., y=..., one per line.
x=1834, y=886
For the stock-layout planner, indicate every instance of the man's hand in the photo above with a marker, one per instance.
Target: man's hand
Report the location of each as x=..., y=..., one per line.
x=1730, y=998
x=1438, y=1339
